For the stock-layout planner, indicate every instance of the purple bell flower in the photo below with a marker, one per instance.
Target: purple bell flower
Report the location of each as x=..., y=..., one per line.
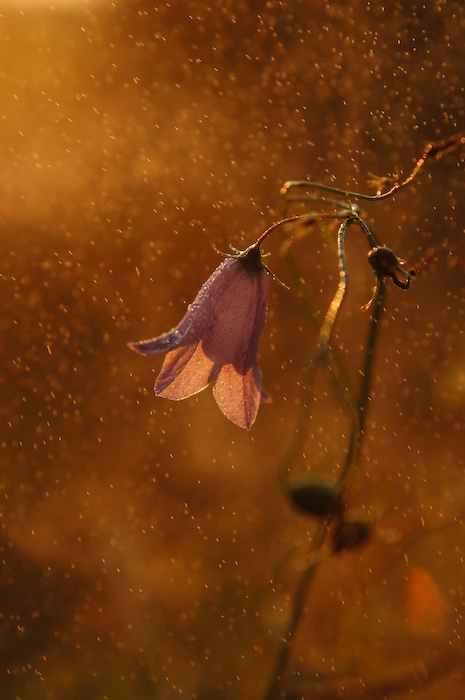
x=217, y=340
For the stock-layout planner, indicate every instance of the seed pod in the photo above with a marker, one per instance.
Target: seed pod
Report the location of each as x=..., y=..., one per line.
x=351, y=529
x=315, y=495
x=385, y=263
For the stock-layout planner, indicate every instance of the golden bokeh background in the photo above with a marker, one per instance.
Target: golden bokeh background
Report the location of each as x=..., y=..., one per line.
x=148, y=549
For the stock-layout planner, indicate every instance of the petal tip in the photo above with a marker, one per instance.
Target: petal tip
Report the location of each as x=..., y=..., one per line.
x=134, y=346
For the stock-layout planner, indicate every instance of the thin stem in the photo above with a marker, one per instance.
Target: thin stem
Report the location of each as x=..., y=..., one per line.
x=358, y=430
x=434, y=150
x=367, y=370
x=335, y=306
x=355, y=443
x=367, y=231
x=273, y=227
x=320, y=353
x=357, y=408
x=299, y=598
x=339, y=379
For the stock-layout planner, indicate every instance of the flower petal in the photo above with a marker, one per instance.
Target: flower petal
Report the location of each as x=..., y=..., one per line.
x=166, y=342
x=233, y=344
x=238, y=395
x=237, y=319
x=197, y=318
x=186, y=371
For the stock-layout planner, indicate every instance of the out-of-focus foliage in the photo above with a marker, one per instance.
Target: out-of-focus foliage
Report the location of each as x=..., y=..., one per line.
x=139, y=536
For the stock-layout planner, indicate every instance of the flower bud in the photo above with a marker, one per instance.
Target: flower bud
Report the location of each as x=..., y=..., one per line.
x=314, y=495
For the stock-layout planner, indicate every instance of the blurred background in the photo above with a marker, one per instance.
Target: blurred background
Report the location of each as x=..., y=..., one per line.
x=148, y=550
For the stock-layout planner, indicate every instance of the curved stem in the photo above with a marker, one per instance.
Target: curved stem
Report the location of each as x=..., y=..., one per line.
x=273, y=227
x=355, y=444
x=335, y=306
x=434, y=150
x=320, y=353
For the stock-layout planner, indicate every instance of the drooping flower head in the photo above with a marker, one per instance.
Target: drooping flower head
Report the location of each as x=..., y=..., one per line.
x=217, y=340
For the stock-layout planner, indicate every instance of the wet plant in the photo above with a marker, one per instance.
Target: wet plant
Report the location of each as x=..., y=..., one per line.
x=217, y=342
x=338, y=528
